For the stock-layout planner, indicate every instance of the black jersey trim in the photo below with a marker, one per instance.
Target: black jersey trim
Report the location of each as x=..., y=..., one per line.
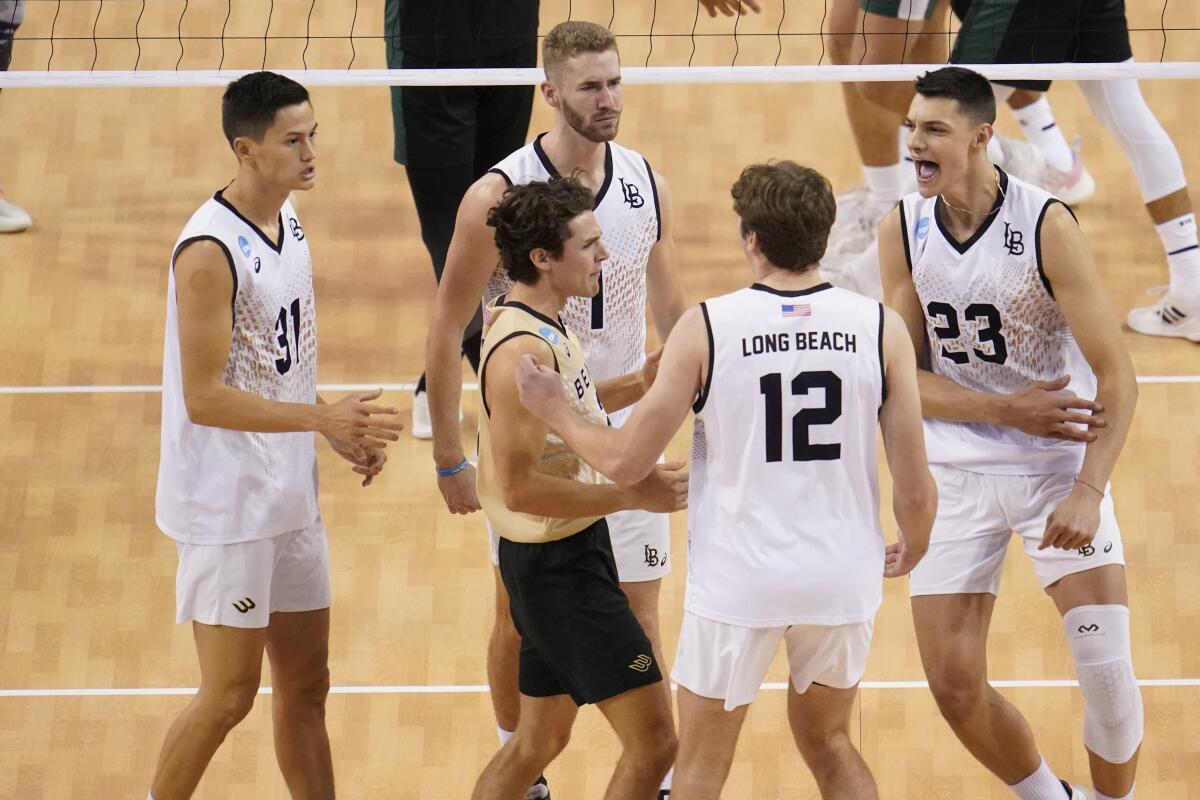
x=516, y=304
x=487, y=359
x=882, y=371
x=820, y=287
x=502, y=174
x=657, y=207
x=702, y=398
x=276, y=246
x=992, y=214
x=228, y=258
x=904, y=237
x=550, y=168
x=1037, y=240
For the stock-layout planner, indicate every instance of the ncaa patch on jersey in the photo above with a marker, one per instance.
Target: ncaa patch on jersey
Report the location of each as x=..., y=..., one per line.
x=922, y=227
x=548, y=334
x=244, y=245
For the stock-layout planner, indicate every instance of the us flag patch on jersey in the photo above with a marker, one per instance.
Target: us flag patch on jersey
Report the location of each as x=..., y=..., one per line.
x=796, y=310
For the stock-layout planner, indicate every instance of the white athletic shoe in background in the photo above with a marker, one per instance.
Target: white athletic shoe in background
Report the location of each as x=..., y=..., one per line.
x=422, y=428
x=13, y=218
x=854, y=229
x=1171, y=316
x=1023, y=160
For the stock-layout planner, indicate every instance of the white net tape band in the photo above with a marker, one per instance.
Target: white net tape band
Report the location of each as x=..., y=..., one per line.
x=643, y=75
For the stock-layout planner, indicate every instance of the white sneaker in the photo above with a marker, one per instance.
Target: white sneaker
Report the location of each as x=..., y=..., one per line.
x=422, y=427
x=854, y=230
x=13, y=218
x=1025, y=161
x=1170, y=316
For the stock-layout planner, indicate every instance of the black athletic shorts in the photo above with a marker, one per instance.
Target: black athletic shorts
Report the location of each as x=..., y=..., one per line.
x=578, y=634
x=1040, y=32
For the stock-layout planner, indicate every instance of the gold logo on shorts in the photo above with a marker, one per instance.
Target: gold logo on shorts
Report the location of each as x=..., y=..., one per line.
x=641, y=664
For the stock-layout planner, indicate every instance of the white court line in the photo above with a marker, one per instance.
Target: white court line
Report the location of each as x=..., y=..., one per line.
x=406, y=386
x=482, y=688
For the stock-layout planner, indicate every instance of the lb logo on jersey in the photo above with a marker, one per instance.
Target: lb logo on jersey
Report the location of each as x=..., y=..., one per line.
x=297, y=231
x=922, y=227
x=1014, y=242
x=244, y=246
x=633, y=195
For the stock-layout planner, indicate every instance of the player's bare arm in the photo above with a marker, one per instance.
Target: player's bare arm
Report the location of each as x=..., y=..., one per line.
x=1071, y=270
x=914, y=493
x=628, y=454
x=469, y=263
x=625, y=390
x=1040, y=409
x=664, y=287
x=204, y=286
x=518, y=439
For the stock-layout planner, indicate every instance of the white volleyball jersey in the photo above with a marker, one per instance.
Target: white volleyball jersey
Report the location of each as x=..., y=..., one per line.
x=612, y=325
x=783, y=508
x=218, y=486
x=993, y=326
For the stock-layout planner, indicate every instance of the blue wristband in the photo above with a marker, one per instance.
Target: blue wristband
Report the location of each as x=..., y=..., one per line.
x=457, y=468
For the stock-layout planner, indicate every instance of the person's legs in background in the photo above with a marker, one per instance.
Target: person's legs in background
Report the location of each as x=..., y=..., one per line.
x=13, y=218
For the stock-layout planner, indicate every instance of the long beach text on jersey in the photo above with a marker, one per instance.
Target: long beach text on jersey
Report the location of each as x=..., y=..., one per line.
x=993, y=325
x=611, y=326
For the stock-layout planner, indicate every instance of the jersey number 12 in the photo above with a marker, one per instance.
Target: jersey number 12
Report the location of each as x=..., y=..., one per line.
x=771, y=387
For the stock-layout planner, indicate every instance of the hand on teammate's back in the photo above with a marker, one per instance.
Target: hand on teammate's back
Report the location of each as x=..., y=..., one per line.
x=1042, y=409
x=357, y=422
x=664, y=490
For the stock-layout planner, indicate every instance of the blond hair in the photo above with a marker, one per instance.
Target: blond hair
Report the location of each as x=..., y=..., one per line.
x=568, y=39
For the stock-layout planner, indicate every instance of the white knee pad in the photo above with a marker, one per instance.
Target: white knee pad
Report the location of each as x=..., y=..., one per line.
x=1121, y=109
x=1113, y=719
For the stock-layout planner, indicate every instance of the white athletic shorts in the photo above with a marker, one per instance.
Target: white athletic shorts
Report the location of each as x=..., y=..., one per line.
x=729, y=662
x=241, y=585
x=976, y=516
x=641, y=543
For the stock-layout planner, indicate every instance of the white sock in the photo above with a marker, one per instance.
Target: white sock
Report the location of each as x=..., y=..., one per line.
x=149, y=796
x=1102, y=796
x=995, y=152
x=1037, y=121
x=885, y=185
x=665, y=786
x=1183, y=253
x=1041, y=785
x=504, y=735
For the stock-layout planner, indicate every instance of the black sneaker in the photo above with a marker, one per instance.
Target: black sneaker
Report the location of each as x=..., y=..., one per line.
x=539, y=791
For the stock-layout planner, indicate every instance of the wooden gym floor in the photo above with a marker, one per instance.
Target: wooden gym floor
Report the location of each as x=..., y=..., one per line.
x=86, y=580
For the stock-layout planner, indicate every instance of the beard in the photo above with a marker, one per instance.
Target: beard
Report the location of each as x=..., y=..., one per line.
x=593, y=133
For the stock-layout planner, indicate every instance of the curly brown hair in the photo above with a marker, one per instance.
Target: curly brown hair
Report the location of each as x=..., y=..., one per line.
x=535, y=216
x=789, y=208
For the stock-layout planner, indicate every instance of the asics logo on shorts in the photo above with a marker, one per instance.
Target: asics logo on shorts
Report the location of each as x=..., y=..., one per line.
x=244, y=605
x=641, y=664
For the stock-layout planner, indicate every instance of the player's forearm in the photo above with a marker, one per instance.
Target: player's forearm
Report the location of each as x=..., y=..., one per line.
x=621, y=392
x=443, y=386
x=914, y=504
x=1117, y=393
x=547, y=496
x=221, y=406
x=942, y=398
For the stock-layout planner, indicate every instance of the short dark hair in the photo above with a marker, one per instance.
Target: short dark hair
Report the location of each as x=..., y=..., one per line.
x=789, y=208
x=966, y=86
x=249, y=104
x=536, y=215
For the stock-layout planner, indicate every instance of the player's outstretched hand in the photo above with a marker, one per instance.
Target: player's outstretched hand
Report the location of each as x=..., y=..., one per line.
x=539, y=387
x=458, y=490
x=729, y=7
x=664, y=490
x=1043, y=409
x=899, y=559
x=1075, y=522
x=650, y=369
x=367, y=461
x=355, y=421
